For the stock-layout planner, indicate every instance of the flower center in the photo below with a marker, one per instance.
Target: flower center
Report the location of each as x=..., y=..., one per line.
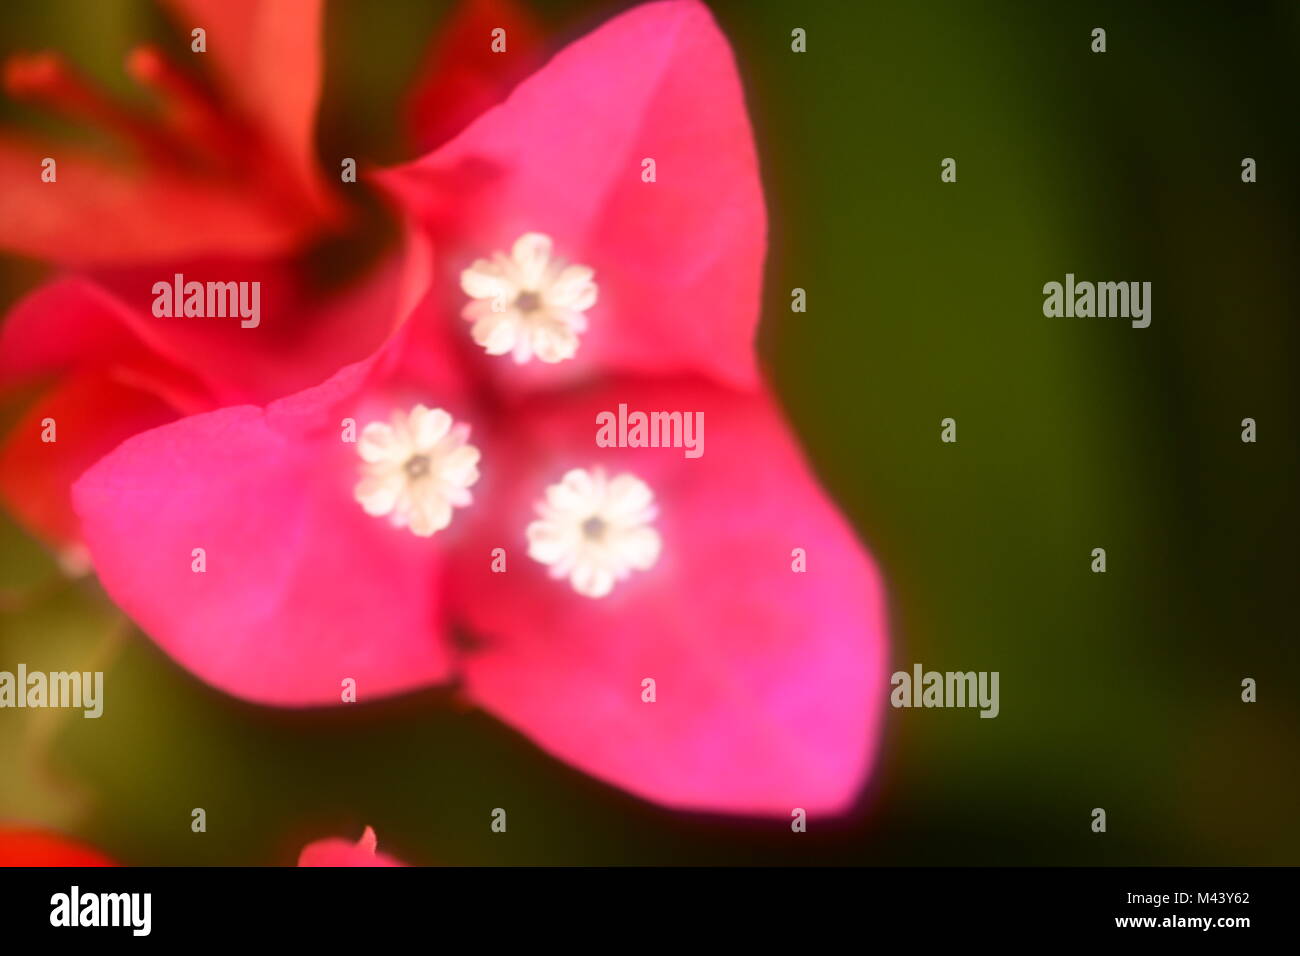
x=528, y=303
x=417, y=466
x=595, y=531
x=416, y=469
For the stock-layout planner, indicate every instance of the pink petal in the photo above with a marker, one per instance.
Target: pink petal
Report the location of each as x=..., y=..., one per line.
x=92, y=414
x=63, y=324
x=337, y=852
x=302, y=588
x=463, y=76
x=678, y=261
x=74, y=326
x=304, y=333
x=770, y=683
x=124, y=370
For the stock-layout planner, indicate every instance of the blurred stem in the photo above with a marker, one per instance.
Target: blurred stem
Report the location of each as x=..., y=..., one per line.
x=14, y=600
x=44, y=725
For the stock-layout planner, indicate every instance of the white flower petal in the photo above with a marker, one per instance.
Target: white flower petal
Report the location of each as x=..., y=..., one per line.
x=548, y=542
x=428, y=426
x=553, y=342
x=378, y=494
x=628, y=497
x=592, y=580
x=638, y=547
x=532, y=254
x=497, y=332
x=573, y=289
x=377, y=442
x=428, y=515
x=486, y=280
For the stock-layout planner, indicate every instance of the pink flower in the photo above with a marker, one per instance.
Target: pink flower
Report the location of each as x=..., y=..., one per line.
x=653, y=622
x=336, y=852
x=218, y=182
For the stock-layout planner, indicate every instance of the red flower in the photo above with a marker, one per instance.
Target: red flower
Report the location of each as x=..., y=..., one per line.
x=648, y=623
x=224, y=164
x=26, y=846
x=219, y=183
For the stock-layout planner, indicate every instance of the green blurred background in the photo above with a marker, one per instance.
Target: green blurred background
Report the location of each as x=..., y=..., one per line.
x=1119, y=690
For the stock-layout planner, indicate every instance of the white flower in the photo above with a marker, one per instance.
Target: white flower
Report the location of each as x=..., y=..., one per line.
x=416, y=469
x=528, y=303
x=595, y=531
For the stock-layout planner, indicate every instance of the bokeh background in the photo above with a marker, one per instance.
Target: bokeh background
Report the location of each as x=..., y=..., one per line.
x=1119, y=690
